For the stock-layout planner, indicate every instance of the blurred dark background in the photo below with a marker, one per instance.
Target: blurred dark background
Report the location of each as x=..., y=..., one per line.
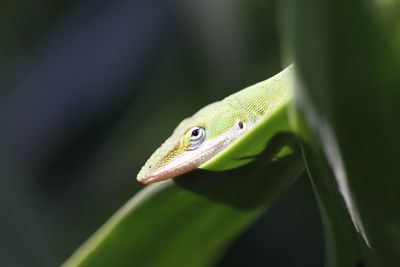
x=90, y=88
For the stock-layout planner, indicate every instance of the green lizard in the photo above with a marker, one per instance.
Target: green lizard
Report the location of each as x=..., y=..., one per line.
x=212, y=130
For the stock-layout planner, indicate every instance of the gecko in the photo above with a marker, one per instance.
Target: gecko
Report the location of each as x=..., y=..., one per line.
x=214, y=128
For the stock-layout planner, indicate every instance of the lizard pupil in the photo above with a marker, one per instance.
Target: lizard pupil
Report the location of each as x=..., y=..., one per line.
x=197, y=136
x=195, y=132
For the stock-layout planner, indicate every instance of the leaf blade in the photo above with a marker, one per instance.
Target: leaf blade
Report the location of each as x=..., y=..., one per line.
x=188, y=222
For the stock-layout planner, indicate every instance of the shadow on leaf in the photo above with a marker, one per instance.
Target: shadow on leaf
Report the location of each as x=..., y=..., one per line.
x=249, y=186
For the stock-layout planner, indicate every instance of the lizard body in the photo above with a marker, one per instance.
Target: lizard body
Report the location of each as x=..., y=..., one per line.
x=215, y=127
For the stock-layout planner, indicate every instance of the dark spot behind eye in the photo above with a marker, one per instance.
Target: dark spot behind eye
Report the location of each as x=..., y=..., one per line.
x=240, y=125
x=195, y=132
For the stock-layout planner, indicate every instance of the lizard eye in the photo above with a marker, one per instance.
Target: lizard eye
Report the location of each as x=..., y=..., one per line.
x=197, y=136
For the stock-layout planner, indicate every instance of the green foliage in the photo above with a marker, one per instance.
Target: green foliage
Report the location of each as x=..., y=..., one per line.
x=189, y=221
x=347, y=109
x=348, y=102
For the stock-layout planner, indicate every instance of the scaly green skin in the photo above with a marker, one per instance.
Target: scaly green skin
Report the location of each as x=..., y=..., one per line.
x=223, y=122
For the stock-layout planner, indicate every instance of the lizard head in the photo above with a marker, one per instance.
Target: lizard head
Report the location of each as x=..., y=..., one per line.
x=196, y=140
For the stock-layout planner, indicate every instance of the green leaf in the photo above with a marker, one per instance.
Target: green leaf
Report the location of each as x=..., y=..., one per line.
x=342, y=241
x=348, y=65
x=189, y=221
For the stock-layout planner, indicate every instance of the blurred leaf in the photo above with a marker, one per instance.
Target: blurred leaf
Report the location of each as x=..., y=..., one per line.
x=341, y=239
x=189, y=221
x=349, y=99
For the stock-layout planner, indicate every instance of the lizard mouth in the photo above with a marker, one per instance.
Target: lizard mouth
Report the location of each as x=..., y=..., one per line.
x=165, y=174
